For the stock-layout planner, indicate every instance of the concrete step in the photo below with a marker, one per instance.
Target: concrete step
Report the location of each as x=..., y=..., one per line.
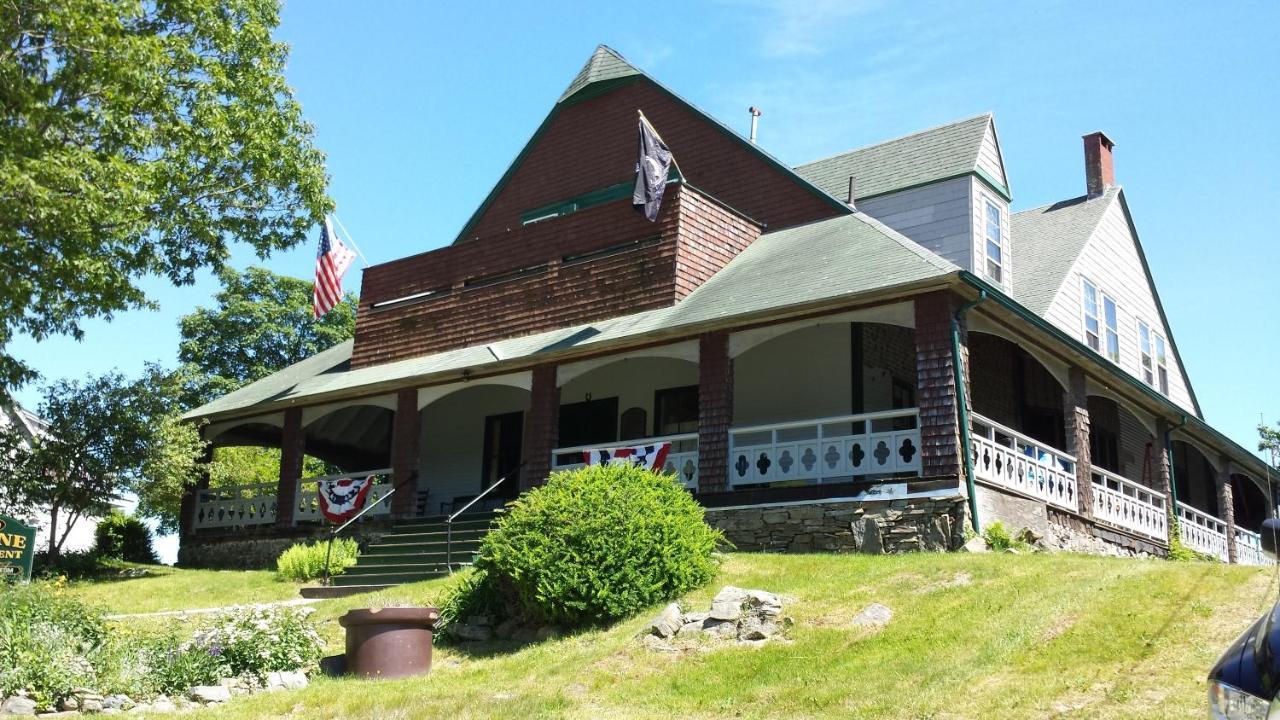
x=400, y=576
x=431, y=527
x=414, y=558
x=407, y=538
x=469, y=544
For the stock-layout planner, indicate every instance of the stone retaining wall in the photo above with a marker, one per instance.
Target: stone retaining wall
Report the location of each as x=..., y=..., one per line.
x=874, y=527
x=258, y=551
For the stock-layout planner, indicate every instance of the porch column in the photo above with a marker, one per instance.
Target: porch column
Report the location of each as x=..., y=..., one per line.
x=1227, y=511
x=191, y=494
x=292, y=448
x=715, y=411
x=1076, y=407
x=541, y=427
x=1164, y=471
x=941, y=449
x=404, y=454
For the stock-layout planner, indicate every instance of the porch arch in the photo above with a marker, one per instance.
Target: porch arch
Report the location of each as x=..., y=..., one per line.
x=355, y=436
x=468, y=438
x=1120, y=441
x=657, y=393
x=432, y=393
x=1249, y=502
x=1015, y=388
x=1194, y=478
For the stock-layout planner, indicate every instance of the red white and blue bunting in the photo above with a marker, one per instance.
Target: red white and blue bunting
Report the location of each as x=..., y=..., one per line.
x=340, y=500
x=650, y=457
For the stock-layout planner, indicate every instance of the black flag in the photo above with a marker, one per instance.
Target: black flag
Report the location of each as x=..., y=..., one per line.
x=652, y=165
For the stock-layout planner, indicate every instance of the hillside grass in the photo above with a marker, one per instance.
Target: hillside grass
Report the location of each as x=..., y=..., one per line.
x=973, y=636
x=166, y=588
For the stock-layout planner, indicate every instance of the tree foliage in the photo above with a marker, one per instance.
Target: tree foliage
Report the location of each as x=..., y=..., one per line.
x=261, y=322
x=140, y=137
x=1269, y=441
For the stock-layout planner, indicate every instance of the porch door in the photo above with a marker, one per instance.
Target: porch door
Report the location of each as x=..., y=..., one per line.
x=588, y=423
x=503, y=439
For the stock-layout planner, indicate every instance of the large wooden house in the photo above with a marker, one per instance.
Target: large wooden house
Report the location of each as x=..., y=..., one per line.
x=870, y=351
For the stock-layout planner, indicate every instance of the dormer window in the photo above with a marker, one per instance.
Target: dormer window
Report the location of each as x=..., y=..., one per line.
x=994, y=245
x=1101, y=321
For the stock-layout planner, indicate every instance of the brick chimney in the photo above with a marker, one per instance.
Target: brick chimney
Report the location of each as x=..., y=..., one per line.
x=1099, y=170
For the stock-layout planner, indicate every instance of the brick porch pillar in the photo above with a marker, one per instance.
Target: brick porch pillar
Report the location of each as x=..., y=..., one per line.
x=541, y=427
x=715, y=411
x=404, y=454
x=191, y=493
x=1075, y=406
x=1164, y=471
x=1227, y=511
x=940, y=445
x=292, y=448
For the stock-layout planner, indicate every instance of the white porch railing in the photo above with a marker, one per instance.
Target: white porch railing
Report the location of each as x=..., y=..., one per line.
x=308, y=509
x=236, y=506
x=1249, y=548
x=1125, y=503
x=844, y=446
x=682, y=458
x=1203, y=532
x=1006, y=457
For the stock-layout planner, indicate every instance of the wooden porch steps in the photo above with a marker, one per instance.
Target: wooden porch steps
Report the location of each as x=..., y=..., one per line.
x=414, y=550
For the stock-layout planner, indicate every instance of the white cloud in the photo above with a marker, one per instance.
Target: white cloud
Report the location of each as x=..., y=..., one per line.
x=798, y=28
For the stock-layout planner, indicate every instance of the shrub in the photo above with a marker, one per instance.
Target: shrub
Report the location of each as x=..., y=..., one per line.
x=599, y=543
x=49, y=642
x=999, y=538
x=303, y=562
x=257, y=640
x=124, y=537
x=76, y=565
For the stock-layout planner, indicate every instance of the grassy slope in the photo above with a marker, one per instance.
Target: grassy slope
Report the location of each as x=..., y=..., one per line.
x=166, y=588
x=1026, y=636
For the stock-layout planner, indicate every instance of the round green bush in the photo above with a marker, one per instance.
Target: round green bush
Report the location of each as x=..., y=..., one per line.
x=124, y=537
x=303, y=562
x=598, y=544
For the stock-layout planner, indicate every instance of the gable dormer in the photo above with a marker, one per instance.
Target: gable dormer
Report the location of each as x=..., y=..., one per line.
x=945, y=188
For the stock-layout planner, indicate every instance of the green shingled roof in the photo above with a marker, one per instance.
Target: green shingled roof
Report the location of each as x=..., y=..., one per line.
x=919, y=158
x=1046, y=242
x=803, y=266
x=605, y=64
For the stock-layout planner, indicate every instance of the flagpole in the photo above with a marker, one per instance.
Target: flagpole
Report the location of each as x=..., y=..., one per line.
x=353, y=240
x=675, y=162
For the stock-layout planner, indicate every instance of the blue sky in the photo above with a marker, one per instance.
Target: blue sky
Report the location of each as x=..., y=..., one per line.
x=421, y=106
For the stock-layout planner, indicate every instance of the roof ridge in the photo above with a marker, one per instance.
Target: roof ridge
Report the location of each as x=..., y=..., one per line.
x=1113, y=190
x=899, y=138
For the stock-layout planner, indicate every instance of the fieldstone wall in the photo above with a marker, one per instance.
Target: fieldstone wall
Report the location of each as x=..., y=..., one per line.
x=256, y=552
x=874, y=527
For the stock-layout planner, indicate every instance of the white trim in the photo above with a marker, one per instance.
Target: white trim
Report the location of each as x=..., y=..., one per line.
x=427, y=395
x=900, y=314
x=214, y=430
x=687, y=350
x=843, y=499
x=312, y=413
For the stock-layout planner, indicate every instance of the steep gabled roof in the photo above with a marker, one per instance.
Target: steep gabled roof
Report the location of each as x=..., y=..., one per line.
x=1046, y=242
x=785, y=270
x=605, y=70
x=939, y=153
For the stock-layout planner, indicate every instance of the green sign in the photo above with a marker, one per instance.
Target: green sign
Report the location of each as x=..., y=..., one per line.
x=17, y=549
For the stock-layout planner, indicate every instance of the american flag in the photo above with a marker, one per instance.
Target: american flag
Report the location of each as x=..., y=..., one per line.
x=332, y=262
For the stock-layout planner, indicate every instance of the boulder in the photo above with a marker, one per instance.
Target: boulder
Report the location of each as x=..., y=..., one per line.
x=764, y=603
x=720, y=628
x=872, y=542
x=293, y=679
x=18, y=706
x=505, y=629
x=69, y=704
x=975, y=544
x=467, y=631
x=752, y=628
x=206, y=694
x=873, y=615
x=668, y=622
x=163, y=704
x=727, y=604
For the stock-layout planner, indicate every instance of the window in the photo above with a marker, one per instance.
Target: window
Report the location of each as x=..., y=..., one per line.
x=994, y=244
x=675, y=410
x=1145, y=351
x=1162, y=368
x=1155, y=369
x=1101, y=321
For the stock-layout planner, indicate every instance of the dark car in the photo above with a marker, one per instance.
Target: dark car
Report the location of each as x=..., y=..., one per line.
x=1245, y=682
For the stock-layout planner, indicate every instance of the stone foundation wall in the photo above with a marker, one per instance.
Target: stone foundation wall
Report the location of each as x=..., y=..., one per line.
x=246, y=551
x=1059, y=529
x=874, y=527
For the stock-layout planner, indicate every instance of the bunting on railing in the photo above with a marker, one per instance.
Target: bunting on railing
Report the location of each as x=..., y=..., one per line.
x=341, y=499
x=650, y=457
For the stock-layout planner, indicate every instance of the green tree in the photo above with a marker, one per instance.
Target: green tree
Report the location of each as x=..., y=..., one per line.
x=1269, y=441
x=140, y=137
x=261, y=322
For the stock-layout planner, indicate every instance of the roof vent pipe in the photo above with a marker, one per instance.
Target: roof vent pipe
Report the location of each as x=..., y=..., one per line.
x=755, y=121
x=853, y=181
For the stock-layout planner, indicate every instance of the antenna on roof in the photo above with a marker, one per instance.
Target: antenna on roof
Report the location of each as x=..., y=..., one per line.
x=853, y=183
x=755, y=121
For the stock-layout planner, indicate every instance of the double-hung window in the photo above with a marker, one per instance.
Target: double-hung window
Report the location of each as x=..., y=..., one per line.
x=1101, y=321
x=994, y=244
x=1155, y=363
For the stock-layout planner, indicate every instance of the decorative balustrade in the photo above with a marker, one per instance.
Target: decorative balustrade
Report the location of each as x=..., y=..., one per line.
x=1202, y=532
x=1008, y=458
x=248, y=505
x=845, y=446
x=682, y=458
x=1125, y=503
x=1249, y=548
x=308, y=509
x=233, y=506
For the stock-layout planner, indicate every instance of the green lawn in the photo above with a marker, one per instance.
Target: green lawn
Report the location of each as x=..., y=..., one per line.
x=166, y=588
x=973, y=636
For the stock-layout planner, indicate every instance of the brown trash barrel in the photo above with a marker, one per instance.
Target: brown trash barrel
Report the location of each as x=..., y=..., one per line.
x=389, y=642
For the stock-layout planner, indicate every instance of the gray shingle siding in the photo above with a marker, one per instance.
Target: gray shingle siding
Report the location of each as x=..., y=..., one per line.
x=935, y=216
